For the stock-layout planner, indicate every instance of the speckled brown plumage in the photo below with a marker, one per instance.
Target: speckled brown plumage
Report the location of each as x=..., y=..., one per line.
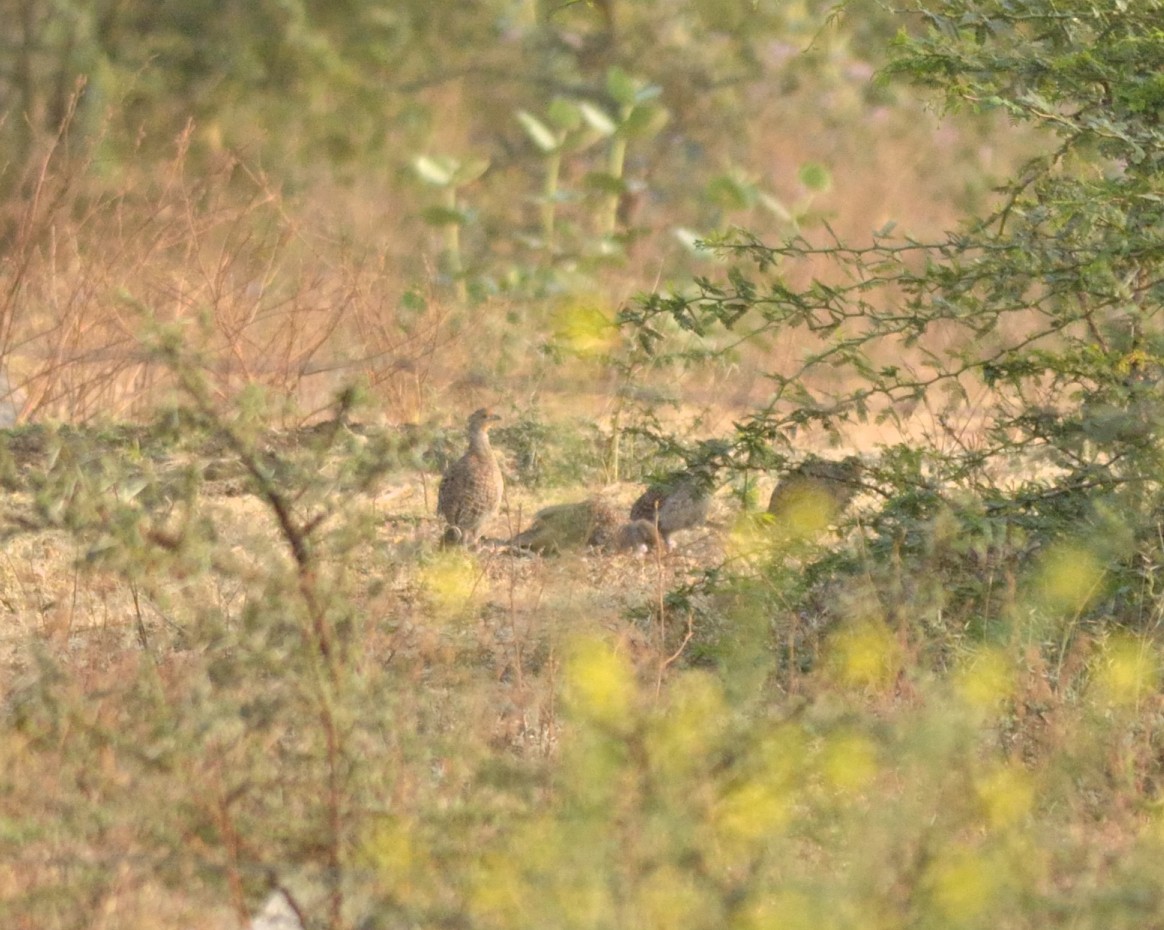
x=569, y=526
x=818, y=489
x=471, y=489
x=674, y=505
x=638, y=536
x=585, y=523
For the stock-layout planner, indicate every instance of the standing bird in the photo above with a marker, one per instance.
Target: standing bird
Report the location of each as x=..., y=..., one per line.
x=814, y=493
x=471, y=489
x=677, y=503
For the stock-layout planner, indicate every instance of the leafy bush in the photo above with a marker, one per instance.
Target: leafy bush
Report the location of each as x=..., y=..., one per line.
x=1025, y=338
x=944, y=711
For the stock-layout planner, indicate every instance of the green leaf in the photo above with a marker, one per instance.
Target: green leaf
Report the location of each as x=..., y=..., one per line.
x=543, y=137
x=606, y=183
x=692, y=241
x=648, y=92
x=597, y=119
x=644, y=121
x=470, y=171
x=413, y=301
x=438, y=171
x=815, y=176
x=443, y=216
x=565, y=114
x=730, y=193
x=621, y=86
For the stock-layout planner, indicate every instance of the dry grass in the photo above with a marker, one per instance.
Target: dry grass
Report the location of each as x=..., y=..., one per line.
x=458, y=671
x=458, y=667
x=479, y=639
x=51, y=598
x=299, y=295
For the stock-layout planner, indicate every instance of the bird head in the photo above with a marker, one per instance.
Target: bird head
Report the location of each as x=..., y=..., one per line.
x=482, y=419
x=846, y=471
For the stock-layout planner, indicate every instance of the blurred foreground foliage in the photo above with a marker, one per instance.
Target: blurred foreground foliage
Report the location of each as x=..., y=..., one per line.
x=522, y=138
x=279, y=716
x=301, y=79
x=953, y=718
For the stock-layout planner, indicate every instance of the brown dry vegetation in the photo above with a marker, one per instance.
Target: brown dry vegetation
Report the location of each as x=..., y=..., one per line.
x=301, y=294
x=463, y=671
x=476, y=642
x=201, y=701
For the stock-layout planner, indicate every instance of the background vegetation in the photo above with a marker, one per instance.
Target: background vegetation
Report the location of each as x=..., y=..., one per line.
x=259, y=260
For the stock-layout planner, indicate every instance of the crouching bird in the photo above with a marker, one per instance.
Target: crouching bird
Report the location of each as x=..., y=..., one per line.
x=592, y=523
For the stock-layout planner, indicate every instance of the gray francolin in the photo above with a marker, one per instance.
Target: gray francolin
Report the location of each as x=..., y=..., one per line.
x=591, y=523
x=816, y=491
x=471, y=489
x=674, y=504
x=638, y=536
